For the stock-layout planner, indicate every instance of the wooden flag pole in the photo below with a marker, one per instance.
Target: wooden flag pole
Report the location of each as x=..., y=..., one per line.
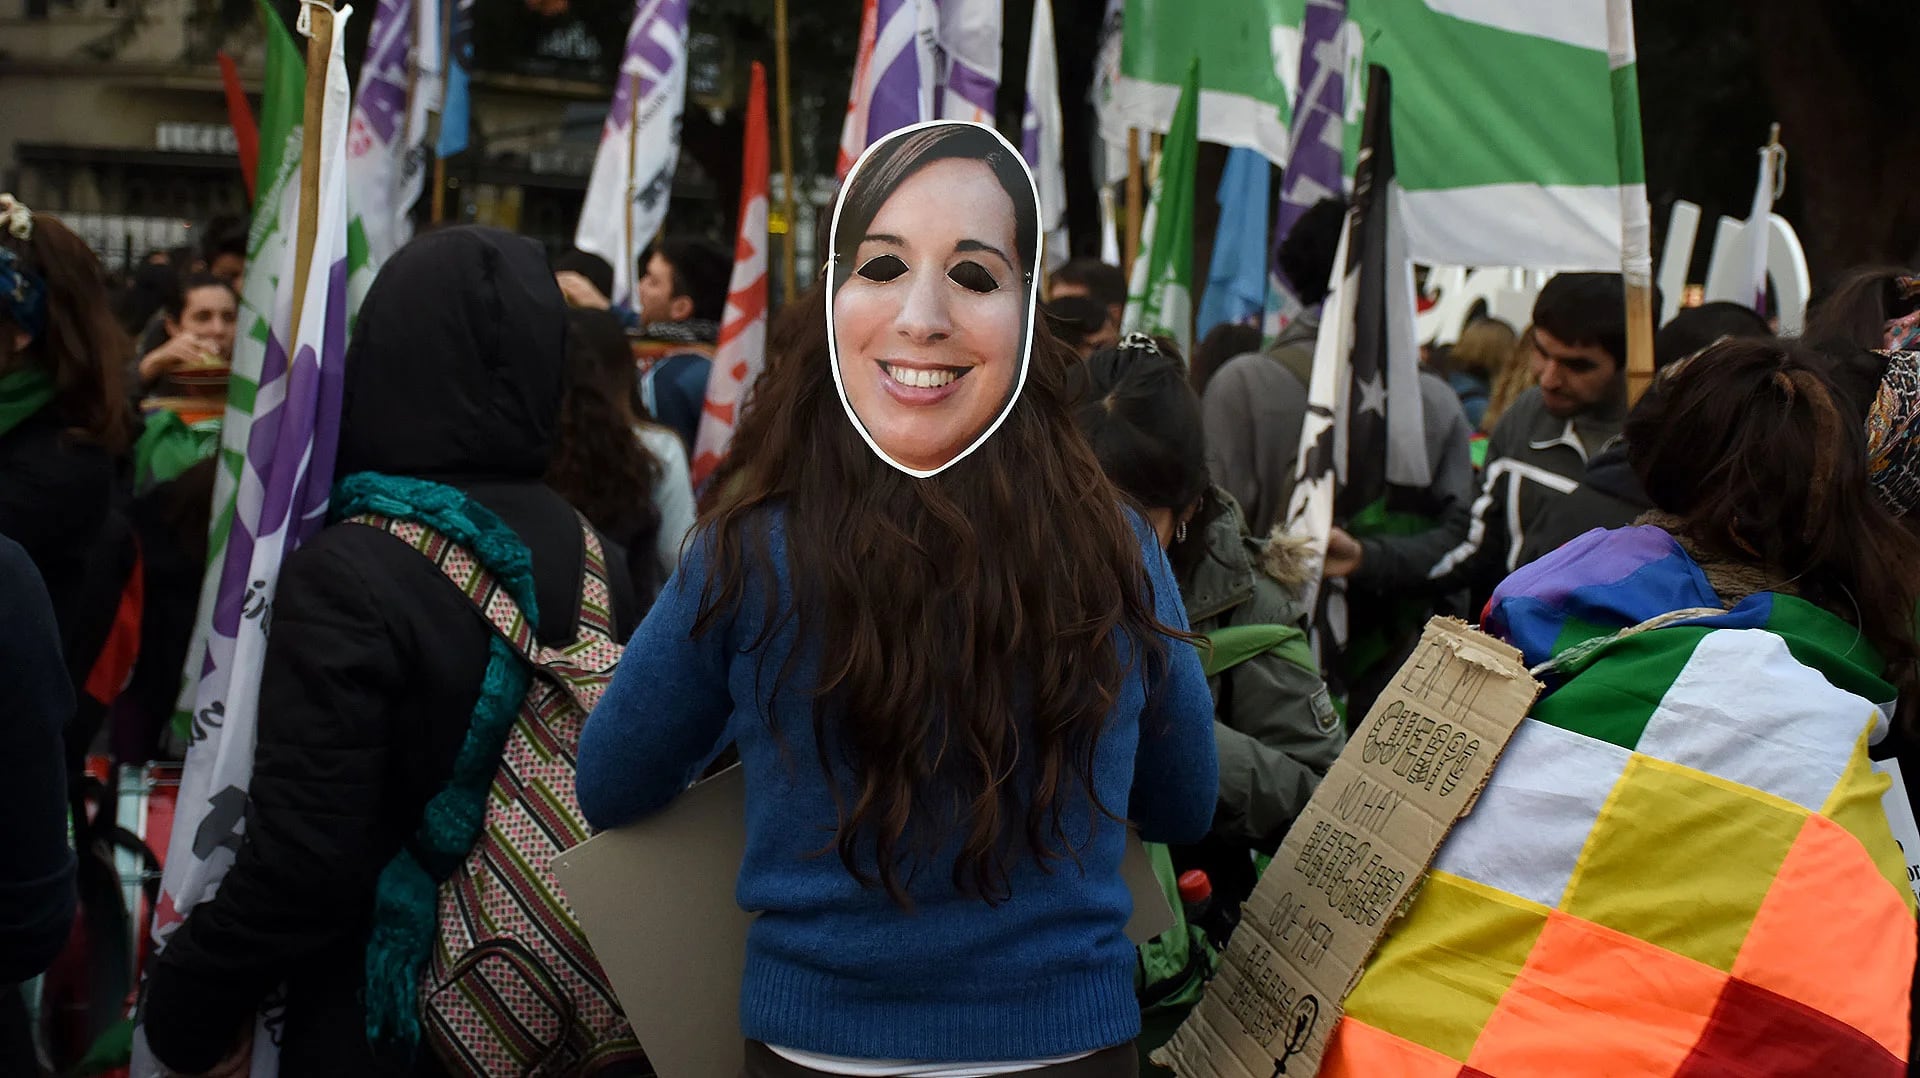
x=1639, y=338
x=439, y=189
x=1132, y=244
x=318, y=16
x=446, y=62
x=633, y=166
x=788, y=262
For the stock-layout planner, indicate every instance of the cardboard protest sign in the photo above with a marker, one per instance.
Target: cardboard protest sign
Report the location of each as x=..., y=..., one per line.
x=1355, y=857
x=656, y=901
x=1899, y=811
x=931, y=291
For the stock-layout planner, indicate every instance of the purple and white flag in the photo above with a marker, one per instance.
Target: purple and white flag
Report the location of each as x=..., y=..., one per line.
x=277, y=447
x=388, y=149
x=1040, y=136
x=1316, y=167
x=632, y=177
x=893, y=75
x=969, y=59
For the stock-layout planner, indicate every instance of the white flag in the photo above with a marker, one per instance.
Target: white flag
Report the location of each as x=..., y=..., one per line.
x=969, y=40
x=285, y=440
x=626, y=199
x=1759, y=224
x=379, y=137
x=1040, y=136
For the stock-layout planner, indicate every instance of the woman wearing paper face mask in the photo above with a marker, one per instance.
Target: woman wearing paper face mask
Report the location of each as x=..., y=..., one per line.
x=933, y=250
x=945, y=691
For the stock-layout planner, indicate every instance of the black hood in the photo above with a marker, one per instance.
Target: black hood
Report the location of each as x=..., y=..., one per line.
x=1612, y=474
x=455, y=366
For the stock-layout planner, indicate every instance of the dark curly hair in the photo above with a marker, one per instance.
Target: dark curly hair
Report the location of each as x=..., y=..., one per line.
x=598, y=463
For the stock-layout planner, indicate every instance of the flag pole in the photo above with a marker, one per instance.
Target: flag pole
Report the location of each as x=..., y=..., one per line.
x=317, y=15
x=633, y=165
x=787, y=253
x=446, y=62
x=1133, y=199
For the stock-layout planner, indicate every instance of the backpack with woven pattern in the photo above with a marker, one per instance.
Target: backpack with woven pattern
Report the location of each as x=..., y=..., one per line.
x=512, y=987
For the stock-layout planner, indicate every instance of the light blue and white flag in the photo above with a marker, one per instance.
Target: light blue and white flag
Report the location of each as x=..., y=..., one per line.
x=1237, y=278
x=455, y=113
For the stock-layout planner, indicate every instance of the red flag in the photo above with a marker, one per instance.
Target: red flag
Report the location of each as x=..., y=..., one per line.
x=245, y=131
x=853, y=134
x=743, y=331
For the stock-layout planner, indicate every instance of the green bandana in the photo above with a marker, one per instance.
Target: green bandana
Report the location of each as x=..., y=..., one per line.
x=23, y=393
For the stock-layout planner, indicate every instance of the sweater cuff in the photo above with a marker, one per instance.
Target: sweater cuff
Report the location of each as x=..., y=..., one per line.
x=191, y=1023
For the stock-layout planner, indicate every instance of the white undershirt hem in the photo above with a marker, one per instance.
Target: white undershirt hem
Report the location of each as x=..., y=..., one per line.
x=895, y=1068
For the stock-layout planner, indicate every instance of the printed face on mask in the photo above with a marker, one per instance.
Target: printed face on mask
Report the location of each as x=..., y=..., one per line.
x=932, y=305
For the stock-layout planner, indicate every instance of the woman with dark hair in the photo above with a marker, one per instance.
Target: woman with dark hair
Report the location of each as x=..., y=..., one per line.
x=1871, y=307
x=1683, y=852
x=599, y=463
x=187, y=378
x=975, y=299
x=946, y=693
x=65, y=425
x=1275, y=727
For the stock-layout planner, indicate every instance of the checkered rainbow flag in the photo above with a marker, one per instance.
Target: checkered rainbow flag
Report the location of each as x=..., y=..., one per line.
x=1680, y=866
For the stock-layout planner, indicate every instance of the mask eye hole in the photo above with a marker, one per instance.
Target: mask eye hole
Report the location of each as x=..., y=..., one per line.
x=883, y=268
x=973, y=277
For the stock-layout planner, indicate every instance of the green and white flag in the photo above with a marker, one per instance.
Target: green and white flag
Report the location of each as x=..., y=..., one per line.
x=1252, y=49
x=1160, y=294
x=1516, y=122
x=1517, y=130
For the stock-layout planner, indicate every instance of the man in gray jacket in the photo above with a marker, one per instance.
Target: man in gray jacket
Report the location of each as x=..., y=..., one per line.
x=1255, y=404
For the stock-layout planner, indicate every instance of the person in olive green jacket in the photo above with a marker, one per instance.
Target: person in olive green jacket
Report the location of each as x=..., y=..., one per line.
x=1274, y=723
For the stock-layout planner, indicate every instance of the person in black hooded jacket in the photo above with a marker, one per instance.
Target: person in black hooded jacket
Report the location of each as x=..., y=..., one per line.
x=375, y=662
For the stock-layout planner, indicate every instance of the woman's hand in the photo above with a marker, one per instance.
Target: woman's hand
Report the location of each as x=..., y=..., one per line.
x=237, y=1064
x=185, y=350
x=1344, y=554
x=580, y=292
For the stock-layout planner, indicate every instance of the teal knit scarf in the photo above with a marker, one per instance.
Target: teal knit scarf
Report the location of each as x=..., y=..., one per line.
x=406, y=899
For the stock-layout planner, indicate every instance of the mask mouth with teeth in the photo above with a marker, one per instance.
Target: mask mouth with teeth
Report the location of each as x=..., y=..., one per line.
x=931, y=291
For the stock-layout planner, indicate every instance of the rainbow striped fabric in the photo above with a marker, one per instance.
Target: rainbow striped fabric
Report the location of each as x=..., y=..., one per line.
x=1680, y=865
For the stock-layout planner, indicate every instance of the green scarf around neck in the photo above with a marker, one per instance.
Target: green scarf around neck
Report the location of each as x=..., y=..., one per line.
x=22, y=393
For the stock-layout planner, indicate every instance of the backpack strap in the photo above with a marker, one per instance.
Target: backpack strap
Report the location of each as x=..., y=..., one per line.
x=588, y=659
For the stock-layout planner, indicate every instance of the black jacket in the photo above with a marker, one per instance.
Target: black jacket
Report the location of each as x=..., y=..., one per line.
x=36, y=862
x=376, y=660
x=65, y=501
x=1534, y=459
x=1610, y=496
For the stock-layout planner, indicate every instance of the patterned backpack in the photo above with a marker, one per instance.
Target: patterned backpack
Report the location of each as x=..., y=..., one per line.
x=512, y=987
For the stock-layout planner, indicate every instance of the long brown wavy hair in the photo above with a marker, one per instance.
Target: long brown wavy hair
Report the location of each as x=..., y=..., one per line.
x=973, y=628
x=82, y=347
x=598, y=463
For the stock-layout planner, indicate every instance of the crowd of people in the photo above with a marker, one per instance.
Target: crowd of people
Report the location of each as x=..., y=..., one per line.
x=951, y=693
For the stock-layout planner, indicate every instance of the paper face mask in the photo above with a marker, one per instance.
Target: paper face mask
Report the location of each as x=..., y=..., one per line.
x=931, y=291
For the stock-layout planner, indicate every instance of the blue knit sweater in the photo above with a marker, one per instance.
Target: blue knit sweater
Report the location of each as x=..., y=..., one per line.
x=836, y=968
